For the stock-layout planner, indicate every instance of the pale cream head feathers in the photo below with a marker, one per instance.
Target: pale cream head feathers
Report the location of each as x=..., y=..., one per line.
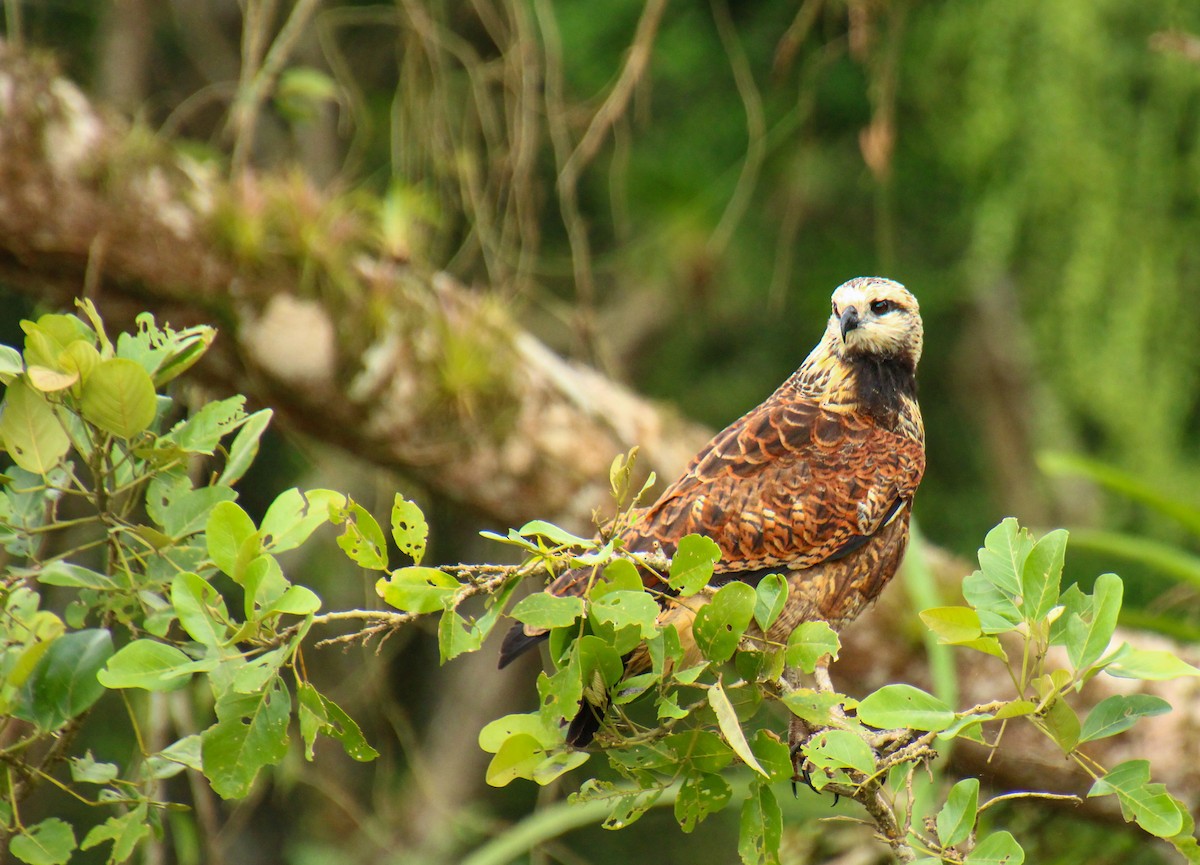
x=873, y=316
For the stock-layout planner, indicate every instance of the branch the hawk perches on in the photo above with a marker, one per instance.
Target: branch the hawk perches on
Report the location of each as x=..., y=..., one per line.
x=816, y=483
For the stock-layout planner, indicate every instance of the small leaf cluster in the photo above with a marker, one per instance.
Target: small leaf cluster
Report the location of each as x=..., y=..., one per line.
x=134, y=569
x=1050, y=643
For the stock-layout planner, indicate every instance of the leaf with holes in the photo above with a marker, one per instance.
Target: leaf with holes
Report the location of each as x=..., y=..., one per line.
x=409, y=529
x=721, y=622
x=251, y=732
x=32, y=434
x=692, y=564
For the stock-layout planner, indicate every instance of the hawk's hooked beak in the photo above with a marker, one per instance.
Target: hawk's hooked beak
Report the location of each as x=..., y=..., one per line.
x=849, y=321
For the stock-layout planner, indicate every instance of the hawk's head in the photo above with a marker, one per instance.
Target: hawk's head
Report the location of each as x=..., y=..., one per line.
x=877, y=318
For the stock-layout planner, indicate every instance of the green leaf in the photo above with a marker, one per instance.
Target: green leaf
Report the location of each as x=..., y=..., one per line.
x=227, y=531
x=63, y=684
x=600, y=666
x=814, y=707
x=425, y=590
x=956, y=819
x=79, y=359
x=1148, y=804
x=50, y=380
x=32, y=434
x=692, y=564
x=619, y=575
x=200, y=608
x=628, y=609
x=124, y=830
x=170, y=761
x=493, y=735
x=557, y=765
x=409, y=529
x=251, y=732
x=721, y=622
x=163, y=352
x=1088, y=639
x=998, y=848
x=49, y=842
x=993, y=589
x=362, y=539
x=701, y=794
x=667, y=707
x=86, y=770
x=180, y=510
x=731, y=728
x=146, y=664
x=894, y=706
x=997, y=611
x=1042, y=574
x=1150, y=665
x=119, y=397
x=544, y=610
x=203, y=431
x=952, y=624
x=833, y=750
x=1062, y=724
x=773, y=755
x=263, y=582
x=1185, y=841
x=518, y=757
x=319, y=714
x=760, y=827
x=60, y=573
x=11, y=364
x=1118, y=713
x=1002, y=557
x=809, y=643
x=295, y=601
x=701, y=750
x=629, y=808
x=294, y=516
x=456, y=635
x=556, y=536
x=770, y=598
x=244, y=449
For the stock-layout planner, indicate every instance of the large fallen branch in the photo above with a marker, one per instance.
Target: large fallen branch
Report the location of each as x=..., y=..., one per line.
x=87, y=206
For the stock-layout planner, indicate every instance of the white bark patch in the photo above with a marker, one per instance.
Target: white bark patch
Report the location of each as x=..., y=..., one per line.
x=293, y=341
x=73, y=132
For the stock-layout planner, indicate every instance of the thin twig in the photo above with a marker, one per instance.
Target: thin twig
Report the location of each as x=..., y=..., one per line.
x=257, y=81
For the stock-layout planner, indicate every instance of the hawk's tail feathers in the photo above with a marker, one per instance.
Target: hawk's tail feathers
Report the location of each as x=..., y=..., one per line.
x=517, y=642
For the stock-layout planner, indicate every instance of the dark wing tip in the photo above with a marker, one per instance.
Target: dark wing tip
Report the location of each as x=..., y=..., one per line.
x=584, y=726
x=516, y=643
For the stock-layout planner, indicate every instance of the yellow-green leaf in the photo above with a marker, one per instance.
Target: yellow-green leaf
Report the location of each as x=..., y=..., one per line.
x=119, y=397
x=32, y=434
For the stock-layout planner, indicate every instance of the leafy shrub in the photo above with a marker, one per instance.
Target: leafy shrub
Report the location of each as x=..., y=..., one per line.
x=133, y=521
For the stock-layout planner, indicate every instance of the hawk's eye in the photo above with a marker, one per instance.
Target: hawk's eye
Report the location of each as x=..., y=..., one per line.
x=879, y=307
